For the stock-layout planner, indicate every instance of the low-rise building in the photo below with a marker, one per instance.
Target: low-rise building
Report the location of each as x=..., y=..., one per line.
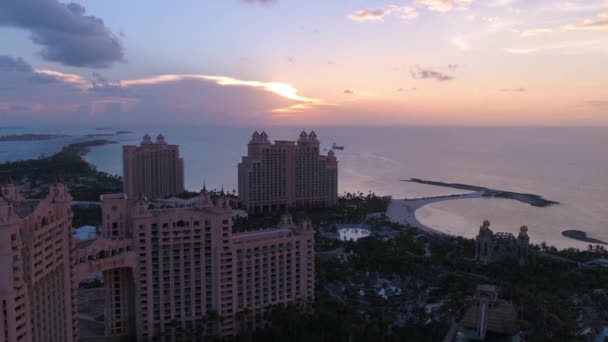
x=501, y=246
x=487, y=314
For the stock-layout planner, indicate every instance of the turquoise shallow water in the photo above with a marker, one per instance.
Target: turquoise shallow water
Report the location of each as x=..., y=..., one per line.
x=568, y=165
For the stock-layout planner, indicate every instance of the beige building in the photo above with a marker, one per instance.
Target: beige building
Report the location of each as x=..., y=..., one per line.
x=192, y=266
x=36, y=289
x=275, y=176
x=170, y=270
x=153, y=169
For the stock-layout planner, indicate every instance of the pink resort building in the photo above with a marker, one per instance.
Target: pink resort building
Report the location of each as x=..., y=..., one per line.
x=36, y=259
x=283, y=174
x=170, y=269
x=153, y=169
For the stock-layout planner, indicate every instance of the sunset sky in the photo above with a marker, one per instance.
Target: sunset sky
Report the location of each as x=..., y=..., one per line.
x=288, y=62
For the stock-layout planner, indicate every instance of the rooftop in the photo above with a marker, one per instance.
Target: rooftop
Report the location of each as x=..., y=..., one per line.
x=25, y=208
x=262, y=234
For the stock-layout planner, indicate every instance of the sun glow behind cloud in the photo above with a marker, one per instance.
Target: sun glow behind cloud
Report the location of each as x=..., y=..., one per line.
x=68, y=78
x=285, y=90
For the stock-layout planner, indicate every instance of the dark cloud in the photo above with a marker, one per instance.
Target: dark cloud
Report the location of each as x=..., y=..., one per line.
x=43, y=78
x=348, y=91
x=291, y=60
x=99, y=80
x=18, y=108
x=102, y=86
x=514, y=90
x=428, y=73
x=8, y=63
x=67, y=35
x=55, y=97
x=453, y=66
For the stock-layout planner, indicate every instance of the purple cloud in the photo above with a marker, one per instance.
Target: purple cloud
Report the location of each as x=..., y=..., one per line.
x=428, y=73
x=67, y=35
x=261, y=2
x=52, y=97
x=8, y=63
x=18, y=108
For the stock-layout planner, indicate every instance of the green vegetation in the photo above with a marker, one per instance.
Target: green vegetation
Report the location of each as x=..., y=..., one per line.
x=84, y=216
x=351, y=207
x=84, y=181
x=591, y=253
x=555, y=299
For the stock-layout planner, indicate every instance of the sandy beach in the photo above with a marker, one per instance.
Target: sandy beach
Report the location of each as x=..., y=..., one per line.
x=403, y=211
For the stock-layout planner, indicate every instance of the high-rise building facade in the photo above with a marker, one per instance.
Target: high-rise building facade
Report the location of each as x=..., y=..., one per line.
x=191, y=265
x=36, y=289
x=275, y=176
x=170, y=269
x=153, y=169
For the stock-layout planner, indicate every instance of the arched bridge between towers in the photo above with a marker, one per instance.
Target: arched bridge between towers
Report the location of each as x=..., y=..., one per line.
x=102, y=254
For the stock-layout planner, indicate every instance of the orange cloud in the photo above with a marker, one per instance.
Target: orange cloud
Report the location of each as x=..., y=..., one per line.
x=534, y=32
x=589, y=24
x=378, y=14
x=443, y=5
x=285, y=90
x=68, y=78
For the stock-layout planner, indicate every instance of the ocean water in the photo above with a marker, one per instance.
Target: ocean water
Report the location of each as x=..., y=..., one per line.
x=568, y=165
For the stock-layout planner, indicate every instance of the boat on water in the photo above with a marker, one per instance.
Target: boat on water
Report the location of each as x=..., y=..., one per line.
x=337, y=147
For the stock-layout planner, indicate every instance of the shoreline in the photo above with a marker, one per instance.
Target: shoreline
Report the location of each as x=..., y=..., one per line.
x=403, y=211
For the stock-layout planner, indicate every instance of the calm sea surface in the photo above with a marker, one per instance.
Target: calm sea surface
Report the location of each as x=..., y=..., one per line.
x=569, y=165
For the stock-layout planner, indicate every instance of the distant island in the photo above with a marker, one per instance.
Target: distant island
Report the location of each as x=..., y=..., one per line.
x=98, y=135
x=581, y=236
x=32, y=137
x=531, y=199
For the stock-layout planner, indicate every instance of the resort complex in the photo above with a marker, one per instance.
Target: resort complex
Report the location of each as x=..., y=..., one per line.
x=157, y=263
x=284, y=174
x=37, y=261
x=190, y=264
x=170, y=267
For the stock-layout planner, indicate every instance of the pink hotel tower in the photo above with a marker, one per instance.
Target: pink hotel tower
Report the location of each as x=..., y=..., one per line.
x=153, y=169
x=171, y=269
x=285, y=174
